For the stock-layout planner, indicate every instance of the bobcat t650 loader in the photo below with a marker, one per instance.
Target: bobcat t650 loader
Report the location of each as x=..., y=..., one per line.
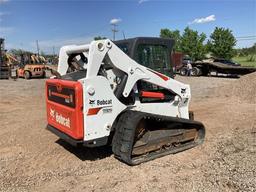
x=122, y=93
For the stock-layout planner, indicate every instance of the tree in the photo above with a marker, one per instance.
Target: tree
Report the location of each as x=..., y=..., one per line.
x=16, y=51
x=99, y=38
x=19, y=51
x=192, y=44
x=221, y=43
x=166, y=33
x=42, y=53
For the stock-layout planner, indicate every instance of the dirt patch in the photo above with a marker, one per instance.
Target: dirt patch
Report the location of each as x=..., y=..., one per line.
x=244, y=89
x=33, y=159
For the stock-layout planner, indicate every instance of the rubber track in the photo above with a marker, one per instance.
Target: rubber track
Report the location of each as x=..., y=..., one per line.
x=122, y=143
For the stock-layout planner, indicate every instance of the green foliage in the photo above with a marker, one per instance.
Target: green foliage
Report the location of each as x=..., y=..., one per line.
x=221, y=43
x=19, y=52
x=99, y=38
x=248, y=61
x=192, y=44
x=42, y=53
x=251, y=58
x=247, y=51
x=166, y=33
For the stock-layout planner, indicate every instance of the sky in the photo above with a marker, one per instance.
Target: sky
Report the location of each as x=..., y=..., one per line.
x=55, y=23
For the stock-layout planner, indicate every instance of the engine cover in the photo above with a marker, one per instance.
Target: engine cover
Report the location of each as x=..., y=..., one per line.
x=64, y=102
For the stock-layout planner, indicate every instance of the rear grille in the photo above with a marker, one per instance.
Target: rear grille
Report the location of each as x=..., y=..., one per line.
x=61, y=95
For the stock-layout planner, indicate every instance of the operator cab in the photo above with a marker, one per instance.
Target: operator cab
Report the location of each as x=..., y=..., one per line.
x=151, y=52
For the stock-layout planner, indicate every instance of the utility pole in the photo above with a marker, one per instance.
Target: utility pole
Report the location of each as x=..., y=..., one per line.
x=123, y=35
x=37, y=46
x=114, y=30
x=53, y=50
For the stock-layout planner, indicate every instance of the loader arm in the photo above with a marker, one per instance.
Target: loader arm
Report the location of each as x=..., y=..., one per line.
x=98, y=50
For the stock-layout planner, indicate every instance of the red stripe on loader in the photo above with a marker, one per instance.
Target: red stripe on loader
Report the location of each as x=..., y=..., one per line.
x=165, y=78
x=149, y=94
x=93, y=111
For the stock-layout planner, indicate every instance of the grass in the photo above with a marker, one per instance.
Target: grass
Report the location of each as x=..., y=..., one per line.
x=246, y=61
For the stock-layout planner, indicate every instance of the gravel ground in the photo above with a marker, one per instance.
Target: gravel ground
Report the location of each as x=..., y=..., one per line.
x=33, y=159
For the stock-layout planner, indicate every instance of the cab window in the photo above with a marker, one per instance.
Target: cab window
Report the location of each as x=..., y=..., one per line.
x=153, y=56
x=124, y=48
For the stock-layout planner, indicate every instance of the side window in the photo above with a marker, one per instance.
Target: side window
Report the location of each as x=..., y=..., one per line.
x=124, y=48
x=144, y=56
x=153, y=56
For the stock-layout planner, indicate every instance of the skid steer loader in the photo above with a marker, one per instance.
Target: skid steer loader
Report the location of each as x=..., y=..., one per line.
x=122, y=93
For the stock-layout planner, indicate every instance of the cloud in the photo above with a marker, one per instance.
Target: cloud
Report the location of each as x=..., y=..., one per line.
x=4, y=1
x=4, y=30
x=115, y=21
x=208, y=19
x=142, y=1
x=3, y=14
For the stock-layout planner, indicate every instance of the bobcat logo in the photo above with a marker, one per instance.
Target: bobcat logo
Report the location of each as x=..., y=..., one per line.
x=183, y=90
x=52, y=113
x=59, y=118
x=91, y=102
